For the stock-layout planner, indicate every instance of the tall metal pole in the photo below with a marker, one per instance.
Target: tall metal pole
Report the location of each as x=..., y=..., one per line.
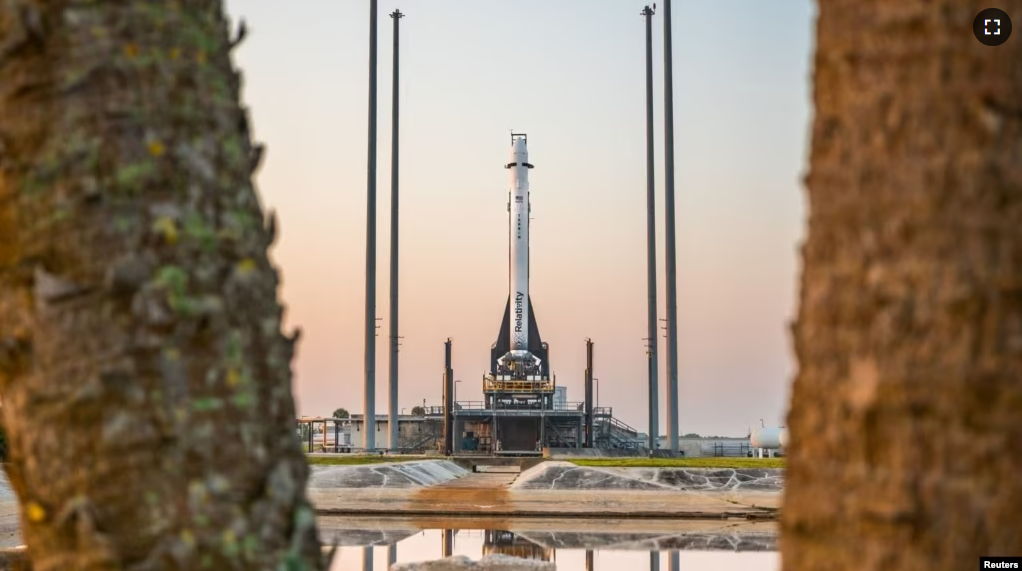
x=671, y=265
x=369, y=401
x=448, y=399
x=590, y=436
x=393, y=424
x=653, y=377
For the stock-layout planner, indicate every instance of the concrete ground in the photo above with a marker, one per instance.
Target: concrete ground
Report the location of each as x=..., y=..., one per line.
x=479, y=499
x=597, y=495
x=443, y=492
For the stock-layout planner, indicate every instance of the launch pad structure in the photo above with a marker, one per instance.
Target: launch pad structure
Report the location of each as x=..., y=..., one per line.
x=523, y=383
x=519, y=414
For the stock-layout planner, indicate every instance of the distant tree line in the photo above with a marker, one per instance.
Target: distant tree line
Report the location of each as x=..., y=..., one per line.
x=343, y=412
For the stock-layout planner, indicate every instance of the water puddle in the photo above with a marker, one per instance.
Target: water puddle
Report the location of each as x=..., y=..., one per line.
x=372, y=544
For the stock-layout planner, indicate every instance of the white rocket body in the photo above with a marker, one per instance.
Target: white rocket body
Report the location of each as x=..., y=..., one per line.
x=519, y=240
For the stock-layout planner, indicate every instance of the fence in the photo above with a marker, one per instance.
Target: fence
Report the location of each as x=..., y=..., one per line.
x=727, y=449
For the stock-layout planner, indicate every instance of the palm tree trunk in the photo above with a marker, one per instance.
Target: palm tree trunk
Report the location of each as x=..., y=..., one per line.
x=145, y=380
x=905, y=410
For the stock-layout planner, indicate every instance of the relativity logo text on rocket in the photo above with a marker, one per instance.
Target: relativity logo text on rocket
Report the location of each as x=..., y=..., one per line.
x=518, y=311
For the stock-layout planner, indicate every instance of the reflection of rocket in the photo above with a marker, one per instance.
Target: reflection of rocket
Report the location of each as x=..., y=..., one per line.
x=518, y=205
x=500, y=542
x=519, y=349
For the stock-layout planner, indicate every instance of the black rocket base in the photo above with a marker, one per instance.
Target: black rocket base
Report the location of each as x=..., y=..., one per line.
x=536, y=345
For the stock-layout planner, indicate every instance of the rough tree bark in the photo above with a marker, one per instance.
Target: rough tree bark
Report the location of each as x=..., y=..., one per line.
x=145, y=380
x=905, y=410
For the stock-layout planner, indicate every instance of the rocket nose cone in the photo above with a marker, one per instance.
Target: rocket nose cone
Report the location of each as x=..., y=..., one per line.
x=518, y=149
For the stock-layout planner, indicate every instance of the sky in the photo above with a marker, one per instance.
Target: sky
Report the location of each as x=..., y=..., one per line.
x=571, y=74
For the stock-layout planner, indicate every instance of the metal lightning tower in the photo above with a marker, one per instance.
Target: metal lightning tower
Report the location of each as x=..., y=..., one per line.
x=392, y=424
x=653, y=377
x=669, y=239
x=369, y=400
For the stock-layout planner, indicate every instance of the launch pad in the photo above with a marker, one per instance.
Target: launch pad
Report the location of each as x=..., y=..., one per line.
x=522, y=411
x=518, y=415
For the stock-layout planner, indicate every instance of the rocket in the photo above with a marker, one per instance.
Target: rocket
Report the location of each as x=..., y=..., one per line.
x=519, y=349
x=519, y=207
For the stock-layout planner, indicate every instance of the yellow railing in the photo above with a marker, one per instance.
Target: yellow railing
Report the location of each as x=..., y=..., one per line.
x=491, y=384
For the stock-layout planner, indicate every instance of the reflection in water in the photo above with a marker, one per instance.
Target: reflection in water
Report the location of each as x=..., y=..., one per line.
x=507, y=543
x=447, y=545
x=422, y=546
x=367, y=558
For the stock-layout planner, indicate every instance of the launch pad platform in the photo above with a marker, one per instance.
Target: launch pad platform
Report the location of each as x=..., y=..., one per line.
x=517, y=428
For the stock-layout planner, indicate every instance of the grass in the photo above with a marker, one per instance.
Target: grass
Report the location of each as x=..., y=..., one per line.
x=680, y=462
x=358, y=460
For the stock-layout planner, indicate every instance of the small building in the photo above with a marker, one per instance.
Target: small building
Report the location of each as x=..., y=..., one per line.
x=414, y=432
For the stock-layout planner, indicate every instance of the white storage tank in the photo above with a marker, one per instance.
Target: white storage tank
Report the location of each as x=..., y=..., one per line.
x=769, y=438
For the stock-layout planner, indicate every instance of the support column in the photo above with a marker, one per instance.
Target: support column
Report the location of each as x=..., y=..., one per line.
x=542, y=432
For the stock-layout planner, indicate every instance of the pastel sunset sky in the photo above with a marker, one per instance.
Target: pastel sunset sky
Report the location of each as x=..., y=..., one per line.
x=571, y=74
